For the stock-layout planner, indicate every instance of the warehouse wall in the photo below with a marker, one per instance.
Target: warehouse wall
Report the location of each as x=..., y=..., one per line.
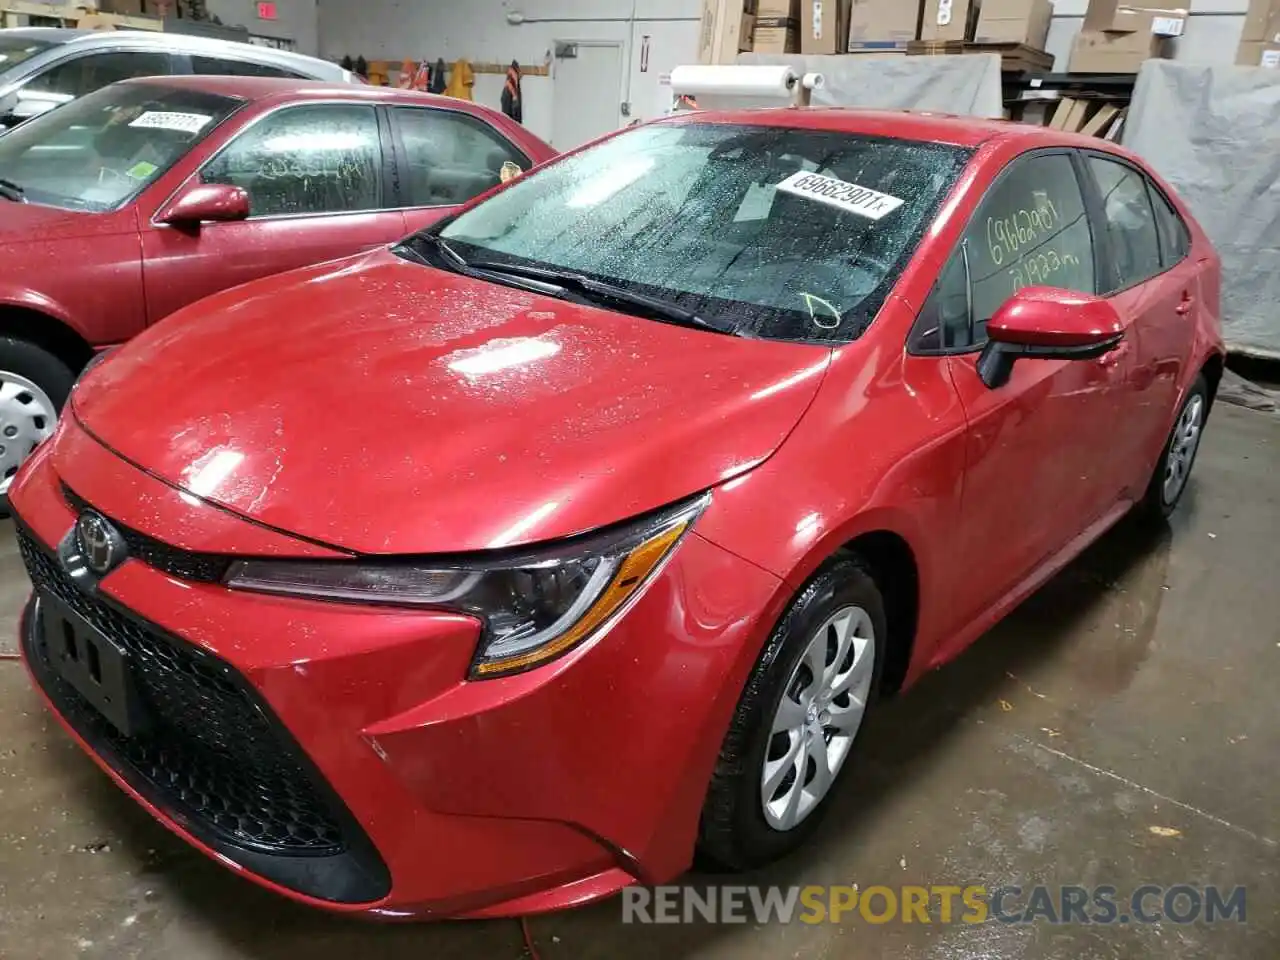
x=479, y=31
x=297, y=20
x=1212, y=33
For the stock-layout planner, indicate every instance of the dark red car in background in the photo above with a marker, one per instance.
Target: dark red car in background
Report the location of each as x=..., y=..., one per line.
x=145, y=196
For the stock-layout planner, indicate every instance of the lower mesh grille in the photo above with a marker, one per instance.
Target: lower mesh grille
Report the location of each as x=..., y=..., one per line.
x=212, y=757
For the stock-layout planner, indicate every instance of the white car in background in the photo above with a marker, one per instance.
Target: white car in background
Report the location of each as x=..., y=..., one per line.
x=43, y=67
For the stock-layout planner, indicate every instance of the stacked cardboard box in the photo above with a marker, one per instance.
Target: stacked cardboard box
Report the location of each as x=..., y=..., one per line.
x=1014, y=21
x=777, y=27
x=1118, y=37
x=1260, y=42
x=726, y=29
x=824, y=26
x=950, y=19
x=883, y=26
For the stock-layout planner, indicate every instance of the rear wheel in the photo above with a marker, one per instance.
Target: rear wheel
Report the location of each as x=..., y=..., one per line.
x=1169, y=482
x=34, y=384
x=797, y=720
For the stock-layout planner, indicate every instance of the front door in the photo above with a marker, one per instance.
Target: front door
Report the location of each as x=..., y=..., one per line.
x=588, y=93
x=315, y=178
x=1039, y=468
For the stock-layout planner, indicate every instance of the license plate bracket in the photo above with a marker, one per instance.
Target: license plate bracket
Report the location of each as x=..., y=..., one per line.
x=94, y=664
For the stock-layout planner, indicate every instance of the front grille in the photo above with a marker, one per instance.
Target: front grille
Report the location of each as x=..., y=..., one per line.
x=184, y=564
x=211, y=750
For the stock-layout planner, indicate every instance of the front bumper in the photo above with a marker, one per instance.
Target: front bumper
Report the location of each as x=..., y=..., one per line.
x=447, y=797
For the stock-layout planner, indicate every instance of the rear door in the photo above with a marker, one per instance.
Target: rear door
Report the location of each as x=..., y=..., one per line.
x=318, y=180
x=1038, y=470
x=1152, y=280
x=447, y=157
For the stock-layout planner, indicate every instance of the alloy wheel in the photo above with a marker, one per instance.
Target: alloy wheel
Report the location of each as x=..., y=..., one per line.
x=1183, y=447
x=818, y=717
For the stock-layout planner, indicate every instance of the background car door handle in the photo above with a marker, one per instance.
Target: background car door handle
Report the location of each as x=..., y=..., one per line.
x=1185, y=306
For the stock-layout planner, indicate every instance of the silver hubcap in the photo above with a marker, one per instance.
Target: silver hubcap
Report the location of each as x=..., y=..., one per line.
x=1182, y=450
x=27, y=416
x=818, y=717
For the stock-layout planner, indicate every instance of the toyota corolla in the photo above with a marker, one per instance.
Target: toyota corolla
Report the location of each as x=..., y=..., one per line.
x=495, y=571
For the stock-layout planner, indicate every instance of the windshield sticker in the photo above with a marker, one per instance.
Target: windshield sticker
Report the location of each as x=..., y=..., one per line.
x=141, y=170
x=863, y=201
x=164, y=120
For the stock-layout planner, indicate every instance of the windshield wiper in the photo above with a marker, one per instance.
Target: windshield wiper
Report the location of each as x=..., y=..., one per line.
x=599, y=290
x=12, y=191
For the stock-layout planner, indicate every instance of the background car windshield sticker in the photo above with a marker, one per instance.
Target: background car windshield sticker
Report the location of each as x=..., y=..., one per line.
x=142, y=169
x=165, y=120
x=863, y=201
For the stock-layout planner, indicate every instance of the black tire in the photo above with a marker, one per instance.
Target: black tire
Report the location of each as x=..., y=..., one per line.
x=39, y=366
x=1155, y=505
x=733, y=832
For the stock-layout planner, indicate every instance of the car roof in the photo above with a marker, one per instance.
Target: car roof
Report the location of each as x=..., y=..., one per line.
x=903, y=124
x=268, y=88
x=47, y=34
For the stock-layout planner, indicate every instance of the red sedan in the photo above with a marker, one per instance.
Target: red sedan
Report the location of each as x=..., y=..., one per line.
x=499, y=570
x=150, y=194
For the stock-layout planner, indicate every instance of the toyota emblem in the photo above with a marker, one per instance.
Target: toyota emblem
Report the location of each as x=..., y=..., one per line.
x=100, y=543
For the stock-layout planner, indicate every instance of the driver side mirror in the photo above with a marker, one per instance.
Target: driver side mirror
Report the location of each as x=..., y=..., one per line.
x=1047, y=324
x=204, y=203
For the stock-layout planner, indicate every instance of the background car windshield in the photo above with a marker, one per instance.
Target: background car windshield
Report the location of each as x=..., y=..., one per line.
x=767, y=231
x=98, y=152
x=14, y=50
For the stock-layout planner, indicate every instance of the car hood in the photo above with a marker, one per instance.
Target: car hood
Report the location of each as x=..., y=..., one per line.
x=30, y=222
x=386, y=407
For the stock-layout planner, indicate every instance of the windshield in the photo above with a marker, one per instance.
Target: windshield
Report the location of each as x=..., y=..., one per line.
x=14, y=50
x=98, y=152
x=768, y=232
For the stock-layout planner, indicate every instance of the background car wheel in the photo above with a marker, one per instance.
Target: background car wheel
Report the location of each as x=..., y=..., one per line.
x=1169, y=482
x=34, y=384
x=797, y=721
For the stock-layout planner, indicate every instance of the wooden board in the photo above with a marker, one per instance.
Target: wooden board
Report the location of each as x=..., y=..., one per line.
x=1014, y=57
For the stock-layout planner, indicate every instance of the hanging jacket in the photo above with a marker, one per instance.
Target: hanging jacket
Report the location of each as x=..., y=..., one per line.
x=461, y=80
x=422, y=79
x=407, y=70
x=438, y=77
x=512, y=101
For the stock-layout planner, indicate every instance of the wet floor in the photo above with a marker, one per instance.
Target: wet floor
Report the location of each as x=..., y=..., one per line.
x=1120, y=729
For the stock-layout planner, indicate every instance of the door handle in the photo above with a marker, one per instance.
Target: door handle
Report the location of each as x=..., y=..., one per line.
x=1113, y=358
x=1187, y=303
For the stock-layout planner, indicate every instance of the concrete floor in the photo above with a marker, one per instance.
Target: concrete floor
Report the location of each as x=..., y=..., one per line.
x=1137, y=690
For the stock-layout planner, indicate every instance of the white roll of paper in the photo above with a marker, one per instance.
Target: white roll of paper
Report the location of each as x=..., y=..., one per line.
x=766, y=83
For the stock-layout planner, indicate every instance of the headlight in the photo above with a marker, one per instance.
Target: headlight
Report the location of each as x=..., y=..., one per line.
x=535, y=605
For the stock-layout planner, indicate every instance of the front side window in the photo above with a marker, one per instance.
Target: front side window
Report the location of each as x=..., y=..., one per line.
x=83, y=75
x=451, y=157
x=325, y=158
x=17, y=49
x=1175, y=240
x=1130, y=222
x=761, y=231
x=101, y=151
x=1030, y=230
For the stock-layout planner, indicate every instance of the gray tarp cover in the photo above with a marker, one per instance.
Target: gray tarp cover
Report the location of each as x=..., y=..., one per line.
x=964, y=84
x=1214, y=134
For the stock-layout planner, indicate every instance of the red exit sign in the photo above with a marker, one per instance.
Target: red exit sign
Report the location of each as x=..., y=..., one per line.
x=266, y=10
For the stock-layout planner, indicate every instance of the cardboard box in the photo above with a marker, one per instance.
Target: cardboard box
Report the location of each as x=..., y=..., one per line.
x=782, y=10
x=950, y=19
x=824, y=26
x=127, y=8
x=881, y=20
x=776, y=35
x=1135, y=16
x=1102, y=52
x=1015, y=21
x=882, y=47
x=1262, y=23
x=720, y=30
x=746, y=31
x=1258, y=53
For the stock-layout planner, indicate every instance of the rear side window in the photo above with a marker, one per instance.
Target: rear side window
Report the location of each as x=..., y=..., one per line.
x=1129, y=221
x=1030, y=230
x=451, y=157
x=1175, y=238
x=213, y=66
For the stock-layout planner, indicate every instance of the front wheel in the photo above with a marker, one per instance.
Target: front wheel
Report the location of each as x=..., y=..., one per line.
x=1169, y=482
x=797, y=720
x=34, y=384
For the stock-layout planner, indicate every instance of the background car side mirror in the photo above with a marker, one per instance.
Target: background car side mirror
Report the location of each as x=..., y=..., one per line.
x=1047, y=324
x=206, y=202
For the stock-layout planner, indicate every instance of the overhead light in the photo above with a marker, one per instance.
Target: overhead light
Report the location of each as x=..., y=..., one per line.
x=515, y=19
